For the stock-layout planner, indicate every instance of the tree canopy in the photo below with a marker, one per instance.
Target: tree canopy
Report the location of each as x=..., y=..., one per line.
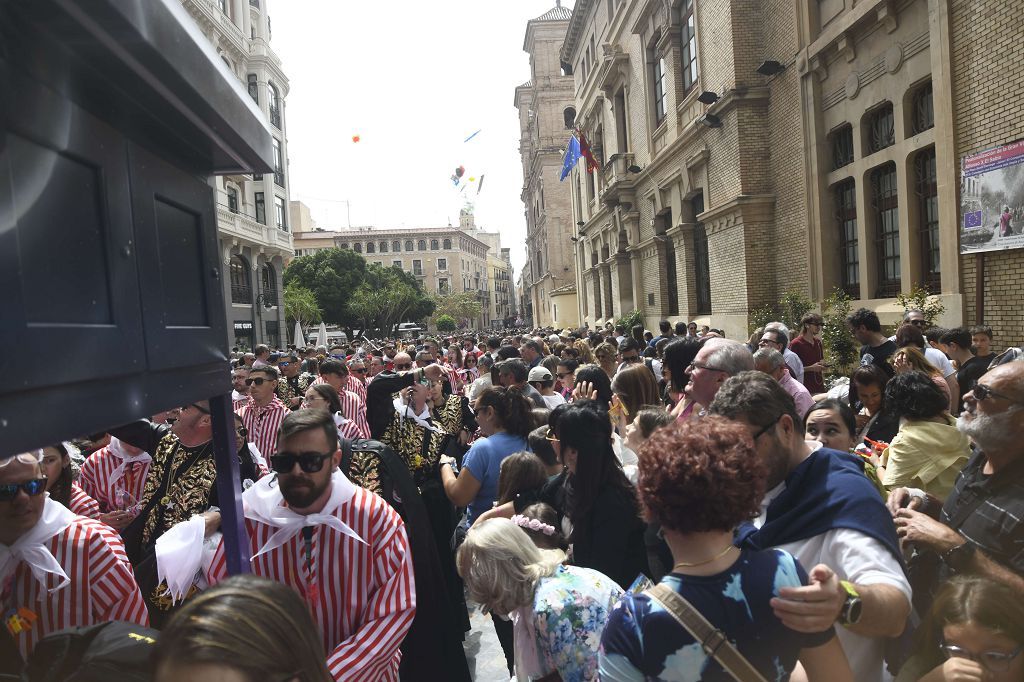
x=300, y=304
x=463, y=307
x=332, y=275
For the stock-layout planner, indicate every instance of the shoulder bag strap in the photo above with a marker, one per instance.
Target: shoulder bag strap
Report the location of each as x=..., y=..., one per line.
x=346, y=456
x=711, y=639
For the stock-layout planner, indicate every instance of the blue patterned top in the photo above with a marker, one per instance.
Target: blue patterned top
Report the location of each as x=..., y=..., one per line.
x=642, y=642
x=570, y=610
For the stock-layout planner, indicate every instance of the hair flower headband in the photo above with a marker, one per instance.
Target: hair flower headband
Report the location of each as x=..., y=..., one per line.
x=533, y=524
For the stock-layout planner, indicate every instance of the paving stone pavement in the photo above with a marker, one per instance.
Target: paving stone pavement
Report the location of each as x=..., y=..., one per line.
x=483, y=652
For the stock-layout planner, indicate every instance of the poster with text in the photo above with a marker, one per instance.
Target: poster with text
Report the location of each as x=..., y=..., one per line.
x=992, y=199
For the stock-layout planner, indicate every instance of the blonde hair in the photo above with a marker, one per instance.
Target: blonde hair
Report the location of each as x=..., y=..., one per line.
x=916, y=359
x=586, y=355
x=501, y=566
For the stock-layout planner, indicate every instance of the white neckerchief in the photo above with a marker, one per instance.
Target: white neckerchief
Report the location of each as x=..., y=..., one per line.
x=339, y=420
x=406, y=412
x=31, y=549
x=117, y=449
x=264, y=503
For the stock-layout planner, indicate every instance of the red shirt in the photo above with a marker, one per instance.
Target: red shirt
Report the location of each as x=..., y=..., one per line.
x=810, y=353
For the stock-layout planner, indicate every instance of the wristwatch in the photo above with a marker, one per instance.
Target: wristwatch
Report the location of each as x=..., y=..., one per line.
x=959, y=558
x=852, y=606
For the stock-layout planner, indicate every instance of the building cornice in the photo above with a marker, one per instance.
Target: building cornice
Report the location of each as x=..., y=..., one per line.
x=576, y=25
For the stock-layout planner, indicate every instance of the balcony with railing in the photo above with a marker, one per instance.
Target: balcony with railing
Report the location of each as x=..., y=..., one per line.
x=619, y=181
x=241, y=294
x=275, y=117
x=243, y=227
x=211, y=11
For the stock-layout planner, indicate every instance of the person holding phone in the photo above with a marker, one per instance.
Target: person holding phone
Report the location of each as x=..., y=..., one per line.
x=807, y=345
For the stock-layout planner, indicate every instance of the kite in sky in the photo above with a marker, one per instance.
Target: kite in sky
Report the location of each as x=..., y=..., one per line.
x=472, y=136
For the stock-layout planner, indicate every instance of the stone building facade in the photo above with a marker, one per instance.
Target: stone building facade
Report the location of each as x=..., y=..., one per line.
x=252, y=210
x=445, y=260
x=752, y=149
x=546, y=117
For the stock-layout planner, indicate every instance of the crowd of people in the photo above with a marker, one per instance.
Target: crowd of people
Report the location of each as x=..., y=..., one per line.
x=626, y=506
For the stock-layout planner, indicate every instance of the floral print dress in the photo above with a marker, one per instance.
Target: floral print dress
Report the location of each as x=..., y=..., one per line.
x=570, y=609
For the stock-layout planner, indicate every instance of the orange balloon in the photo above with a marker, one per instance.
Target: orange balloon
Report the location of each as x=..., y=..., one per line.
x=355, y=138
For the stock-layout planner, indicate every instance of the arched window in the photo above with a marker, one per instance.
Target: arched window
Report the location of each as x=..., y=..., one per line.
x=422, y=245
x=383, y=247
x=241, y=287
x=269, y=283
x=396, y=246
x=274, y=103
x=357, y=247
x=447, y=244
x=371, y=247
x=343, y=245
x=408, y=245
x=433, y=245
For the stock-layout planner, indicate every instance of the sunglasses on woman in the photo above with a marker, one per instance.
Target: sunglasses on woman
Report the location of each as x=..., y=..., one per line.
x=9, y=491
x=309, y=462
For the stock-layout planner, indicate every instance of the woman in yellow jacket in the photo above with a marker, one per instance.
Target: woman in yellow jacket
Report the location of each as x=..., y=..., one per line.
x=928, y=451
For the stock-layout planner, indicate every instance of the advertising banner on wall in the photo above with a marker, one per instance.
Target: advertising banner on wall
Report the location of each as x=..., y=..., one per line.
x=992, y=199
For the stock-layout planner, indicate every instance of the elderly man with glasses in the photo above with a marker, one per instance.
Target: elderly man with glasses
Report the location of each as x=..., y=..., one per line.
x=978, y=530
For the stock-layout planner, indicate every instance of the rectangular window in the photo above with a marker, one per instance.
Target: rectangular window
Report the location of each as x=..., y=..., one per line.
x=417, y=267
x=397, y=264
x=660, y=92
x=261, y=208
x=842, y=147
x=621, y=134
x=928, y=225
x=881, y=128
x=442, y=286
x=442, y=263
x=278, y=163
x=689, y=44
x=232, y=199
x=845, y=194
x=280, y=213
x=254, y=88
x=701, y=262
x=885, y=201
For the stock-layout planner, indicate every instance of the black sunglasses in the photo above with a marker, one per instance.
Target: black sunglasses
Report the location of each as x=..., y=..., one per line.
x=32, y=488
x=983, y=392
x=198, y=407
x=258, y=381
x=403, y=366
x=309, y=462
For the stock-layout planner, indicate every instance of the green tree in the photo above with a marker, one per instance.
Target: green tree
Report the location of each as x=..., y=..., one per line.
x=386, y=298
x=792, y=308
x=630, y=319
x=300, y=305
x=463, y=306
x=445, y=323
x=332, y=275
x=920, y=299
x=839, y=345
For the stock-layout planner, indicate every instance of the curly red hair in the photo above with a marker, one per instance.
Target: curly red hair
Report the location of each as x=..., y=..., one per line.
x=701, y=475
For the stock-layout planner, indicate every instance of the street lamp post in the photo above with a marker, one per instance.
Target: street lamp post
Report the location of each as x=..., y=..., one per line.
x=263, y=301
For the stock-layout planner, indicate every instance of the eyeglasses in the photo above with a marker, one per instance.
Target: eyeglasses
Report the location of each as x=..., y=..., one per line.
x=32, y=488
x=765, y=342
x=765, y=429
x=203, y=409
x=983, y=392
x=283, y=364
x=403, y=366
x=316, y=398
x=700, y=365
x=258, y=381
x=34, y=457
x=993, y=661
x=309, y=462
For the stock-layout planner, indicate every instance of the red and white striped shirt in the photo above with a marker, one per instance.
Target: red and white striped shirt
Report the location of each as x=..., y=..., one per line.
x=97, y=472
x=356, y=386
x=361, y=596
x=102, y=586
x=353, y=408
x=263, y=423
x=83, y=505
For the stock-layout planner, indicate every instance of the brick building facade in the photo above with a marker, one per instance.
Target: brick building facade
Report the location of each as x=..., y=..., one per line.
x=752, y=149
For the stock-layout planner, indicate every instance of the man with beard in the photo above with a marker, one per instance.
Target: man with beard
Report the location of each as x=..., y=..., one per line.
x=341, y=547
x=979, y=529
x=822, y=509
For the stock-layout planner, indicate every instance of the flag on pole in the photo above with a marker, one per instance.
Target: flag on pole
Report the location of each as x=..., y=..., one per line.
x=588, y=154
x=572, y=155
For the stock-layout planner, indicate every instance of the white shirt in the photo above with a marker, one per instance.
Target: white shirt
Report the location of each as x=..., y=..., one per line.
x=861, y=560
x=940, y=361
x=553, y=400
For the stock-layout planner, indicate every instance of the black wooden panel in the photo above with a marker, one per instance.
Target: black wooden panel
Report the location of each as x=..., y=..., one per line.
x=67, y=267
x=179, y=275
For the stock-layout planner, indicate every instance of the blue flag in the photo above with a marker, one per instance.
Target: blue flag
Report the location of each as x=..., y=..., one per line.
x=572, y=155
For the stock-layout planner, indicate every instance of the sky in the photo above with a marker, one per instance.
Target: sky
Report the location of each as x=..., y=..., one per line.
x=413, y=80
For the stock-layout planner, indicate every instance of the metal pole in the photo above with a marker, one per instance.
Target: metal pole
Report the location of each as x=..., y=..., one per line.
x=229, y=487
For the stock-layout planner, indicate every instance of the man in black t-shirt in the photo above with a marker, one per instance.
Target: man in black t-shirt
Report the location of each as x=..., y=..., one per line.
x=971, y=368
x=981, y=339
x=876, y=348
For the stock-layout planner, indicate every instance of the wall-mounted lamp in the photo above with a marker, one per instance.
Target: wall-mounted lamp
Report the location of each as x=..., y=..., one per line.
x=710, y=121
x=635, y=169
x=770, y=67
x=574, y=239
x=580, y=224
x=707, y=97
